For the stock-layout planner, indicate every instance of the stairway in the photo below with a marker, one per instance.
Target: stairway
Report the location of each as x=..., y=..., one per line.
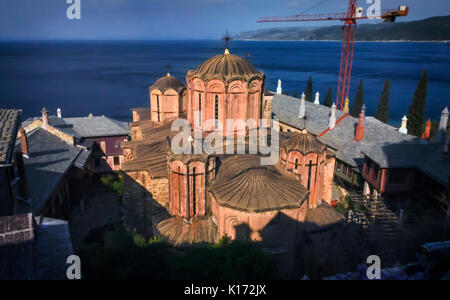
x=378, y=222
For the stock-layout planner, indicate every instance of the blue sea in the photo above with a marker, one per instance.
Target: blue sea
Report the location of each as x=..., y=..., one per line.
x=110, y=78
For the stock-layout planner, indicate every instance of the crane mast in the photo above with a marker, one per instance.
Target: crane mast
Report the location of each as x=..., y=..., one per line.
x=349, y=18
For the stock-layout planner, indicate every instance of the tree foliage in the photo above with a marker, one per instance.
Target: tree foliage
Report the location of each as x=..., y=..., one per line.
x=382, y=113
x=112, y=252
x=359, y=100
x=416, y=115
x=329, y=98
x=309, y=90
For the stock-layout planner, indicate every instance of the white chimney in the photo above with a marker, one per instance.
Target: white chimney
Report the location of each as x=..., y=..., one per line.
x=403, y=128
x=443, y=125
x=317, y=100
x=279, y=89
x=44, y=118
x=332, y=123
x=58, y=113
x=302, y=111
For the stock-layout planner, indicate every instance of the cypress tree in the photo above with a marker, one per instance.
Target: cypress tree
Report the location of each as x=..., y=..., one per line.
x=329, y=98
x=309, y=92
x=416, y=115
x=382, y=113
x=359, y=100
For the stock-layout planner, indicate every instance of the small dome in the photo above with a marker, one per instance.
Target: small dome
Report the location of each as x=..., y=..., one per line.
x=226, y=67
x=304, y=143
x=166, y=83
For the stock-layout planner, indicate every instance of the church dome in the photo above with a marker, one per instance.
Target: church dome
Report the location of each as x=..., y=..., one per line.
x=304, y=143
x=226, y=67
x=166, y=83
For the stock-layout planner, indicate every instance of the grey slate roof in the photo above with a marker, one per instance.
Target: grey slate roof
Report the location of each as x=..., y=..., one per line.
x=382, y=143
x=53, y=246
x=286, y=109
x=9, y=125
x=87, y=127
x=49, y=160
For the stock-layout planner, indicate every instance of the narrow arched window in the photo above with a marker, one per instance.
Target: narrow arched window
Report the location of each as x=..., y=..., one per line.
x=180, y=187
x=158, y=108
x=216, y=111
x=296, y=164
x=194, y=192
x=200, y=109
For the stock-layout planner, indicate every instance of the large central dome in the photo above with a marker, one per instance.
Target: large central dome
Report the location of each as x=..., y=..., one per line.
x=226, y=67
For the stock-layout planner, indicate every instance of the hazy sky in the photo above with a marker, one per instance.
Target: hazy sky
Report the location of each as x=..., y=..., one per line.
x=172, y=19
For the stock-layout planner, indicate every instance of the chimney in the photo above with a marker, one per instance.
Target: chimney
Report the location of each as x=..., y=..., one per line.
x=403, y=128
x=302, y=107
x=443, y=125
x=44, y=118
x=426, y=133
x=332, y=122
x=346, y=109
x=317, y=100
x=58, y=113
x=279, y=89
x=24, y=142
x=360, y=128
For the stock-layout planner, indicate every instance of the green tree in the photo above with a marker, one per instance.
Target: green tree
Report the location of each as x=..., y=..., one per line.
x=382, y=113
x=416, y=114
x=329, y=98
x=359, y=100
x=309, y=90
x=294, y=94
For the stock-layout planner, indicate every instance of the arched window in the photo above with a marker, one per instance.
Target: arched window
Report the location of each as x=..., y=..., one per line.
x=309, y=174
x=296, y=164
x=216, y=111
x=194, y=192
x=180, y=187
x=158, y=108
x=200, y=109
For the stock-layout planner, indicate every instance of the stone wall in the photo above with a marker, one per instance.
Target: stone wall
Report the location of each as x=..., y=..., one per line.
x=144, y=199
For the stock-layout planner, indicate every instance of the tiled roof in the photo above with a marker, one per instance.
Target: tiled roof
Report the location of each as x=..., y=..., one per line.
x=243, y=184
x=382, y=143
x=9, y=125
x=87, y=127
x=286, y=109
x=49, y=160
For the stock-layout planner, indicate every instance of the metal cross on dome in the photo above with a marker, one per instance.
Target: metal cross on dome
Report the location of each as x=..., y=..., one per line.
x=227, y=38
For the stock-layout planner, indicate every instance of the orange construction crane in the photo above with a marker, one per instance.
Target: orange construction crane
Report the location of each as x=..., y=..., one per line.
x=348, y=42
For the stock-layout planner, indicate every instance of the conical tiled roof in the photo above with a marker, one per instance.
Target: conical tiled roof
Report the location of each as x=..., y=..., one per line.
x=304, y=143
x=166, y=83
x=226, y=67
x=243, y=184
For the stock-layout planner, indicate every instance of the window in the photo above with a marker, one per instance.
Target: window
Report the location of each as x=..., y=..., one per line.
x=194, y=192
x=116, y=145
x=375, y=171
x=158, y=109
x=200, y=109
x=309, y=174
x=344, y=169
x=296, y=164
x=339, y=166
x=397, y=176
x=368, y=166
x=216, y=111
x=349, y=172
x=116, y=161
